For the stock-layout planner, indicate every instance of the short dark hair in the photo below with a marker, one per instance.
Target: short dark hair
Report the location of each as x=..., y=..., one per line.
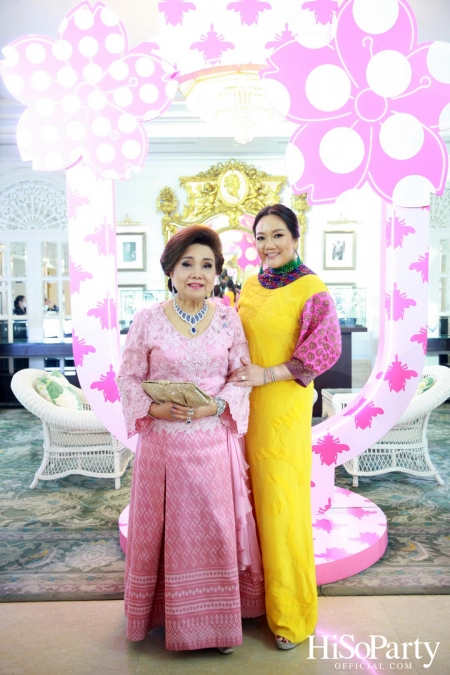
x=180, y=242
x=230, y=285
x=217, y=291
x=286, y=214
x=20, y=298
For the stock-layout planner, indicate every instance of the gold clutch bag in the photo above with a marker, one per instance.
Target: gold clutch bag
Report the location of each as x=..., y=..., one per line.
x=183, y=393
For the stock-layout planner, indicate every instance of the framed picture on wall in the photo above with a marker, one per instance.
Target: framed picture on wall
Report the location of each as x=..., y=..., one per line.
x=131, y=251
x=339, y=250
x=131, y=299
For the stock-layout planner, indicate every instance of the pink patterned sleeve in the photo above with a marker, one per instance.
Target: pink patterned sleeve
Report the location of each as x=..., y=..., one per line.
x=133, y=370
x=237, y=411
x=319, y=343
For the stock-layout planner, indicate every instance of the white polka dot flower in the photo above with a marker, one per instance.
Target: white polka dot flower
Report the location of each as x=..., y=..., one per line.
x=369, y=105
x=87, y=96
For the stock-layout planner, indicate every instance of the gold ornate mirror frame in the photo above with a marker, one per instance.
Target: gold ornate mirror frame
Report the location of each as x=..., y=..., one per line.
x=233, y=189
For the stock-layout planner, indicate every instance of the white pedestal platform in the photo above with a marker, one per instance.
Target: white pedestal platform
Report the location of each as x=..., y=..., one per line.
x=348, y=538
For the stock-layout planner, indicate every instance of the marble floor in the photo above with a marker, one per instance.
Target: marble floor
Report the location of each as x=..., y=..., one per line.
x=88, y=638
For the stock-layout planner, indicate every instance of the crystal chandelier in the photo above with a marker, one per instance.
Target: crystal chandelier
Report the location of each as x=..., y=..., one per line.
x=232, y=100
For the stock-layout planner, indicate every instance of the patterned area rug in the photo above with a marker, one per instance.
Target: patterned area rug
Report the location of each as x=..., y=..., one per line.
x=60, y=541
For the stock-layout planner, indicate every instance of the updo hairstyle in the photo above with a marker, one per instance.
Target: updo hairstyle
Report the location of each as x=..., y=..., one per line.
x=180, y=242
x=286, y=214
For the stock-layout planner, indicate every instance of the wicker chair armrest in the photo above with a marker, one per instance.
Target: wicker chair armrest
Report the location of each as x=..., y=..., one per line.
x=341, y=401
x=431, y=399
x=418, y=406
x=22, y=385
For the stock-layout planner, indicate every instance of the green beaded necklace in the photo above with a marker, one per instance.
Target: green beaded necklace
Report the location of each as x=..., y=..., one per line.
x=284, y=269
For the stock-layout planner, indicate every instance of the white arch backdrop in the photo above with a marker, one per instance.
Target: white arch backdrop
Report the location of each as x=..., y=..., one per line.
x=87, y=96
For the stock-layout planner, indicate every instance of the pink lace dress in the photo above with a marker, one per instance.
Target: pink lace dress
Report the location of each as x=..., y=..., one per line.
x=193, y=562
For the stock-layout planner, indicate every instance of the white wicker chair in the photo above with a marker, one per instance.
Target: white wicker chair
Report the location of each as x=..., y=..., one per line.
x=405, y=446
x=75, y=441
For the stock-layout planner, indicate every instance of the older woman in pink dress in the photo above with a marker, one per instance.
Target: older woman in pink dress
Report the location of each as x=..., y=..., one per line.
x=193, y=562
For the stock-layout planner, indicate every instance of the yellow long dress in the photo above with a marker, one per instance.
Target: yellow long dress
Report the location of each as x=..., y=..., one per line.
x=278, y=446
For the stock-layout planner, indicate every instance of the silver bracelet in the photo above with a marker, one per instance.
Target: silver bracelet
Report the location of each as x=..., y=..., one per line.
x=149, y=413
x=221, y=405
x=272, y=373
x=265, y=376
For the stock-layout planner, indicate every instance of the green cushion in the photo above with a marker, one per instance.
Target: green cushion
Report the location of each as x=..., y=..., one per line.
x=56, y=389
x=424, y=384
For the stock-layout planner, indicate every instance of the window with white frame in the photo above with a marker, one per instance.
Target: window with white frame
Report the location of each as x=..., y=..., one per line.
x=34, y=267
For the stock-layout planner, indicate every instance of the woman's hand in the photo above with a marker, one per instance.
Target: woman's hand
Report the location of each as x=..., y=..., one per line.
x=248, y=375
x=173, y=412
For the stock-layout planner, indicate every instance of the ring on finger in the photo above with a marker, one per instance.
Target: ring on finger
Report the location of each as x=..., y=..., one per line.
x=243, y=378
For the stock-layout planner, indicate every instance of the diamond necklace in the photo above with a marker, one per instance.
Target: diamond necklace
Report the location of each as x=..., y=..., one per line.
x=192, y=320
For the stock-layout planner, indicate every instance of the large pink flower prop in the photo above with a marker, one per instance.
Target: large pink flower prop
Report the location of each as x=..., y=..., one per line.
x=86, y=94
x=369, y=104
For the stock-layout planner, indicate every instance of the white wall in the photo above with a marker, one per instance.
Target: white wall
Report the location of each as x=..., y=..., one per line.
x=365, y=209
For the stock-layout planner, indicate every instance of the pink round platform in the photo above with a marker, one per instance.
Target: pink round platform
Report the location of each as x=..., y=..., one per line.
x=348, y=538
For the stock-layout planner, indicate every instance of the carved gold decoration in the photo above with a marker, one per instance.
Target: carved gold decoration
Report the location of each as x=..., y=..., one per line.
x=126, y=222
x=167, y=204
x=300, y=205
x=231, y=189
x=342, y=221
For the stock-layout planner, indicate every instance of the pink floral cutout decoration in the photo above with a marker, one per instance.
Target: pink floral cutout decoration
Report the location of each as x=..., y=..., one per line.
x=327, y=525
x=105, y=239
x=249, y=10
x=369, y=105
x=212, y=45
x=324, y=10
x=281, y=38
x=328, y=448
x=247, y=255
x=396, y=230
x=107, y=384
x=174, y=10
x=106, y=311
x=80, y=349
x=74, y=203
x=87, y=99
x=365, y=413
x=358, y=512
x=421, y=266
x=333, y=554
x=87, y=95
x=397, y=375
x=397, y=303
x=77, y=276
x=421, y=338
x=366, y=538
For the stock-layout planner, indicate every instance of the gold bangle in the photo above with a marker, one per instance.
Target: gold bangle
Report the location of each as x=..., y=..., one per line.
x=150, y=414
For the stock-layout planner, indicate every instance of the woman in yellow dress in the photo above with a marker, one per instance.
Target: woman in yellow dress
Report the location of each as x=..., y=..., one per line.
x=293, y=332
x=230, y=292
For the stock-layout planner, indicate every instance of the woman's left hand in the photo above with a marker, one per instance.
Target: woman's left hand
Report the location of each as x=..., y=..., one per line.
x=183, y=413
x=248, y=375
